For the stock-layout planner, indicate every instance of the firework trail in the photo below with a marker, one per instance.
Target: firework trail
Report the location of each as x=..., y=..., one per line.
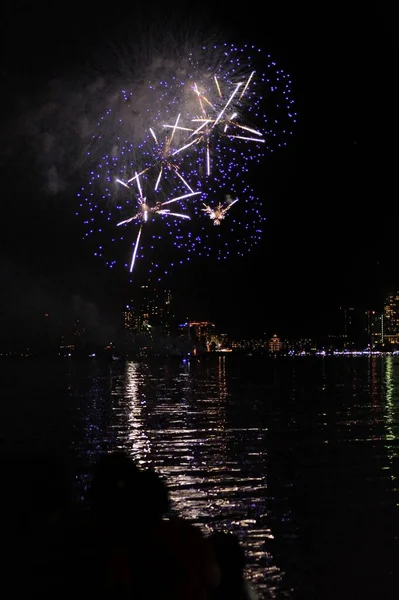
x=215, y=106
x=139, y=203
x=146, y=210
x=216, y=119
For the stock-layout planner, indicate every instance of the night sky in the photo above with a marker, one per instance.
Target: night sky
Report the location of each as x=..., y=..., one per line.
x=330, y=197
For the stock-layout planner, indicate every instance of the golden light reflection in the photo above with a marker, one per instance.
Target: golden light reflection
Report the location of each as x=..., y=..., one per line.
x=181, y=419
x=222, y=377
x=392, y=401
x=375, y=367
x=373, y=380
x=138, y=441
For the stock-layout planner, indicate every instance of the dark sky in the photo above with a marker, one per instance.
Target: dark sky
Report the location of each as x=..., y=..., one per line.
x=330, y=197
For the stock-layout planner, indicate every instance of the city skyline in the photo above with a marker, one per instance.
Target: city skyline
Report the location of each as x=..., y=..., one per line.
x=152, y=316
x=327, y=196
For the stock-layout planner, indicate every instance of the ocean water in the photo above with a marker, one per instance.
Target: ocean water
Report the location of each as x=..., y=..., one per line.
x=298, y=456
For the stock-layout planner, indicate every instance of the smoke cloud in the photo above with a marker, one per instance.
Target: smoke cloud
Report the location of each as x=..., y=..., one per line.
x=112, y=95
x=42, y=309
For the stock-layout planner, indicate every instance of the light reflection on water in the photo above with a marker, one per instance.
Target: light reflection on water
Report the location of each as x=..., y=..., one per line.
x=299, y=456
x=391, y=382
x=207, y=440
x=292, y=455
x=176, y=421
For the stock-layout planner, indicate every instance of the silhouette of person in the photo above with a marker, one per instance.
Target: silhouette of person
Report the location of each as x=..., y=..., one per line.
x=139, y=550
x=114, y=501
x=182, y=564
x=231, y=559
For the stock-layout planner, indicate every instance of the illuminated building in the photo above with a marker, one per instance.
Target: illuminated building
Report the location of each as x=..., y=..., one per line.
x=202, y=333
x=218, y=342
x=78, y=329
x=184, y=330
x=274, y=344
x=391, y=340
x=222, y=342
x=352, y=330
x=130, y=318
x=156, y=308
x=391, y=314
x=250, y=346
x=152, y=308
x=391, y=320
x=299, y=346
x=162, y=315
x=348, y=328
x=375, y=328
x=348, y=324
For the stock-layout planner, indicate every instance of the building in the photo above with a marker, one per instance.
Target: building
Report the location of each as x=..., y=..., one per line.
x=222, y=342
x=375, y=328
x=348, y=330
x=183, y=330
x=391, y=342
x=300, y=346
x=156, y=308
x=352, y=330
x=274, y=344
x=391, y=314
x=151, y=308
x=202, y=334
x=391, y=320
x=130, y=318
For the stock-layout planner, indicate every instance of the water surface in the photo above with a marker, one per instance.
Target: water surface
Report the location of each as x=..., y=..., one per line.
x=298, y=456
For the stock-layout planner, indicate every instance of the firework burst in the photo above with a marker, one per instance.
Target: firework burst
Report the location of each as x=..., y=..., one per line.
x=234, y=207
x=145, y=211
x=138, y=207
x=220, y=94
x=218, y=213
x=215, y=119
x=194, y=121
